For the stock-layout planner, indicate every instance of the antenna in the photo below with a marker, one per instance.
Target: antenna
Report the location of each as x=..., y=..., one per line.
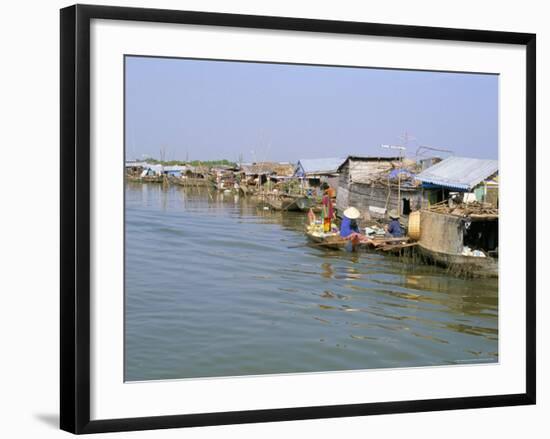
x=422, y=148
x=401, y=148
x=405, y=138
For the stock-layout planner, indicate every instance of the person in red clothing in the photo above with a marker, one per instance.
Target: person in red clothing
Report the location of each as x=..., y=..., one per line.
x=328, y=209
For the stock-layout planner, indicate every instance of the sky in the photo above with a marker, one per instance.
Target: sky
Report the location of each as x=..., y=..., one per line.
x=211, y=110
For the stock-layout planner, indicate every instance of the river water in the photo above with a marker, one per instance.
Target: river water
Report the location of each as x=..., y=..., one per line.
x=215, y=286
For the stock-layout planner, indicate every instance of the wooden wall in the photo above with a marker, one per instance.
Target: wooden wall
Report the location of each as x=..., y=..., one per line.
x=359, y=186
x=441, y=233
x=362, y=196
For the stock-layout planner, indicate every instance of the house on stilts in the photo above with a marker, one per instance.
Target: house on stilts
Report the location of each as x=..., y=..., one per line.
x=459, y=227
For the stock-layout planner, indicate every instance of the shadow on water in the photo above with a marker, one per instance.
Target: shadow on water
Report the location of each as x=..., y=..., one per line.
x=213, y=289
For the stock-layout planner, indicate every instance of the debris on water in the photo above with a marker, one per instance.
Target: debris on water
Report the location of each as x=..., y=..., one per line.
x=363, y=337
x=430, y=337
x=328, y=294
x=326, y=322
x=326, y=307
x=476, y=353
x=288, y=290
x=467, y=251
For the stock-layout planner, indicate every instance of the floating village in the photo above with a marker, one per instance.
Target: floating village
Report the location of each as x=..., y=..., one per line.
x=441, y=211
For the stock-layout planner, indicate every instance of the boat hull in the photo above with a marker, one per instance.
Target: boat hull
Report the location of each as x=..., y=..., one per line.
x=333, y=242
x=194, y=182
x=305, y=203
x=461, y=264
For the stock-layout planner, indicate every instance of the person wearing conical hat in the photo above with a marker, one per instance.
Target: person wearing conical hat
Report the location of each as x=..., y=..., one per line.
x=349, y=228
x=394, y=227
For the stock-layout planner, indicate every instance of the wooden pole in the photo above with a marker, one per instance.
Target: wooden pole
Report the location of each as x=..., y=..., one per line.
x=399, y=183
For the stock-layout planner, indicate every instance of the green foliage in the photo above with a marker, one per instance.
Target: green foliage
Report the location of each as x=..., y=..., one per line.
x=153, y=161
x=211, y=163
x=292, y=186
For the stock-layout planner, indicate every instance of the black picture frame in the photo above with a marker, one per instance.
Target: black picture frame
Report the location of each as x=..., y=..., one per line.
x=75, y=217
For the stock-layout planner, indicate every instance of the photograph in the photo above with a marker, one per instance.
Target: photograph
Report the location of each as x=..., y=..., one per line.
x=295, y=218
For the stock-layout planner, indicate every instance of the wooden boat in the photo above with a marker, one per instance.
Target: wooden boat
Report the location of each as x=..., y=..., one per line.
x=305, y=203
x=244, y=190
x=290, y=204
x=282, y=202
x=333, y=240
x=153, y=179
x=442, y=241
x=193, y=182
x=461, y=264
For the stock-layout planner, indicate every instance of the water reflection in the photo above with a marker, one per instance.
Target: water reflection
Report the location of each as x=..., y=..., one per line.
x=327, y=271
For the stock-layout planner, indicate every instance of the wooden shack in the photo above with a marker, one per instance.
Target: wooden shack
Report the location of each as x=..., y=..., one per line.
x=313, y=172
x=134, y=169
x=378, y=185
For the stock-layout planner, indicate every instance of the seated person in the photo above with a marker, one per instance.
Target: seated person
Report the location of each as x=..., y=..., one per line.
x=311, y=216
x=349, y=228
x=394, y=227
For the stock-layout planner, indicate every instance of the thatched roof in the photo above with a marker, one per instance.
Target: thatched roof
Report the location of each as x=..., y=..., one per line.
x=269, y=168
x=372, y=170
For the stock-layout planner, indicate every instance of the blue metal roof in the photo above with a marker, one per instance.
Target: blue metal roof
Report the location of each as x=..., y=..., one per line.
x=459, y=172
x=318, y=166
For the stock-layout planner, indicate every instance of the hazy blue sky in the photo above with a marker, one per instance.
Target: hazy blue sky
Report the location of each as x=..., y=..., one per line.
x=209, y=110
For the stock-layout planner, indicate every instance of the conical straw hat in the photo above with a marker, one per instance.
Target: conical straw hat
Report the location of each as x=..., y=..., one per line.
x=394, y=214
x=352, y=213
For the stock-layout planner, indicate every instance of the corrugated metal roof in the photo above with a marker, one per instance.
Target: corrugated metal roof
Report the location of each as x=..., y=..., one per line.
x=319, y=166
x=131, y=164
x=176, y=168
x=459, y=172
x=158, y=167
